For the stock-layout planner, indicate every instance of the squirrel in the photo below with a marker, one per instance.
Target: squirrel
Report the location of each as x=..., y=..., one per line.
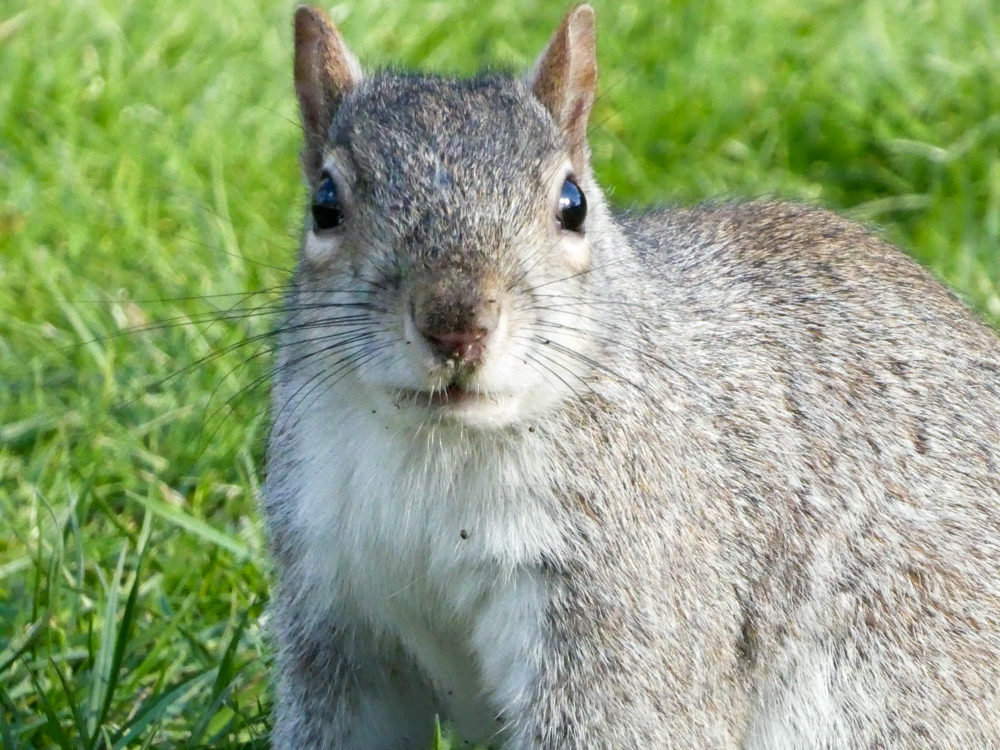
x=715, y=477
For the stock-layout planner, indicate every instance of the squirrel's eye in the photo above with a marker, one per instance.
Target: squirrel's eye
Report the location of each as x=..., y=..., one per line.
x=326, y=209
x=572, y=207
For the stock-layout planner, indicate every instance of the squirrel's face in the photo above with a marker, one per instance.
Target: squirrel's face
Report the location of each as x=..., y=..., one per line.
x=447, y=252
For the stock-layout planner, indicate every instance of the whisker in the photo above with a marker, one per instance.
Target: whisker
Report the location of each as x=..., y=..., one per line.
x=346, y=364
x=644, y=350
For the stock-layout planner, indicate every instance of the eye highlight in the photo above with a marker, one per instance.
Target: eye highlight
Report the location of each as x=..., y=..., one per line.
x=572, y=206
x=326, y=209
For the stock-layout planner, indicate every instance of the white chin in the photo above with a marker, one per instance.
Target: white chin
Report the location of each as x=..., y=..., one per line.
x=481, y=412
x=484, y=415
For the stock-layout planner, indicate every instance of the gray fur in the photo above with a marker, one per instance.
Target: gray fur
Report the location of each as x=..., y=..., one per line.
x=772, y=467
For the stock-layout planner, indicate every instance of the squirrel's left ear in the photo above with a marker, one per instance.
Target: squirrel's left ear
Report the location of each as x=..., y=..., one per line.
x=565, y=77
x=325, y=72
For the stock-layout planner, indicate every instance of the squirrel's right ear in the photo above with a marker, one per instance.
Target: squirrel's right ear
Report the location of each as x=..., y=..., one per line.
x=325, y=72
x=564, y=78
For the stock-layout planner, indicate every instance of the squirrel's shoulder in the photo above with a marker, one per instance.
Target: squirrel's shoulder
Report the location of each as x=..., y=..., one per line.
x=786, y=259
x=770, y=243
x=758, y=231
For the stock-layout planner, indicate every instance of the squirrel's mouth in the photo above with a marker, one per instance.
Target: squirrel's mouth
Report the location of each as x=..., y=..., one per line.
x=453, y=395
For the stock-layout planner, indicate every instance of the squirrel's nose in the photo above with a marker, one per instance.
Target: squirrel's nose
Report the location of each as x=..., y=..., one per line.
x=466, y=346
x=455, y=322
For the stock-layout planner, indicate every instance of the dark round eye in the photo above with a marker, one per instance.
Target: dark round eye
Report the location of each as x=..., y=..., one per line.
x=326, y=208
x=572, y=207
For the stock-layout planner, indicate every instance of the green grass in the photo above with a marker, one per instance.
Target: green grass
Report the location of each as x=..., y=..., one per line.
x=148, y=182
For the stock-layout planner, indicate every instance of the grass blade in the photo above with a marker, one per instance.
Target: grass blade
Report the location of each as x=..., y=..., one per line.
x=439, y=743
x=14, y=652
x=5, y=735
x=194, y=525
x=206, y=717
x=223, y=679
x=81, y=726
x=226, y=671
x=156, y=707
x=56, y=730
x=124, y=631
x=100, y=676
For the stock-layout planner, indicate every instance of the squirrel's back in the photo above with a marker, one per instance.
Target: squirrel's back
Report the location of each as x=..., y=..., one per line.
x=843, y=412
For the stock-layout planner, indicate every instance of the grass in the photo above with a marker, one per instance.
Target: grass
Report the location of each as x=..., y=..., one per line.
x=148, y=184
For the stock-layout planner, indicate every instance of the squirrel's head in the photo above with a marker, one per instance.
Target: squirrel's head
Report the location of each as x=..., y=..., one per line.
x=452, y=230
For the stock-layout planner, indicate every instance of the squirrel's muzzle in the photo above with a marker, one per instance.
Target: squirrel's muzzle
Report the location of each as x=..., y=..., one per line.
x=456, y=319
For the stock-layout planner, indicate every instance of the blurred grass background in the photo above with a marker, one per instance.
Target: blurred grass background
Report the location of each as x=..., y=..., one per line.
x=148, y=184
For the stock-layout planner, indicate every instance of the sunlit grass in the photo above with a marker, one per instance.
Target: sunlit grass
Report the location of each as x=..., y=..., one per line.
x=148, y=183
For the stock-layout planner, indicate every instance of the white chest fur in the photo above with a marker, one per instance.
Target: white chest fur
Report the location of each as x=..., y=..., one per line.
x=435, y=538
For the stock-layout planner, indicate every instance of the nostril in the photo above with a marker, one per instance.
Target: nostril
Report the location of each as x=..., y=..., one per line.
x=467, y=346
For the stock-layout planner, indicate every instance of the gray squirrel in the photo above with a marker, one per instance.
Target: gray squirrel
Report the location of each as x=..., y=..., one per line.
x=721, y=477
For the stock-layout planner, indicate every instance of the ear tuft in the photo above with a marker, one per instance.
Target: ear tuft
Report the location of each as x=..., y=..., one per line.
x=564, y=78
x=325, y=73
